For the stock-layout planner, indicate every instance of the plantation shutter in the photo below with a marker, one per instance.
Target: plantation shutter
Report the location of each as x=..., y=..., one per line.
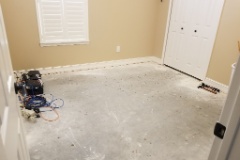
x=62, y=21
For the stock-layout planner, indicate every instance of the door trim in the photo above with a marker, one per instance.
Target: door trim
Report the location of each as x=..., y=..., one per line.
x=230, y=118
x=12, y=146
x=167, y=31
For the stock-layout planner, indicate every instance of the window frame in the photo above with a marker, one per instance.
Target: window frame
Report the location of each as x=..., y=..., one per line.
x=67, y=41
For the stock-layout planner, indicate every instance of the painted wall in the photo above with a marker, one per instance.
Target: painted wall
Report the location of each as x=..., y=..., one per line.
x=225, y=51
x=161, y=27
x=138, y=26
x=128, y=23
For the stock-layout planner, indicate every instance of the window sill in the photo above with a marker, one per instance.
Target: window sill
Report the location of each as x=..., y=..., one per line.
x=62, y=44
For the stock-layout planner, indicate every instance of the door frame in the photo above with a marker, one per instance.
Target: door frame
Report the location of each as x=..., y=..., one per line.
x=222, y=148
x=12, y=146
x=167, y=31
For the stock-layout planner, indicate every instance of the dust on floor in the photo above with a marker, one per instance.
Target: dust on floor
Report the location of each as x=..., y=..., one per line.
x=133, y=112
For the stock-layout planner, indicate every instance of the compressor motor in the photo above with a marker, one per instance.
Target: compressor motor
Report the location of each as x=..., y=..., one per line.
x=29, y=84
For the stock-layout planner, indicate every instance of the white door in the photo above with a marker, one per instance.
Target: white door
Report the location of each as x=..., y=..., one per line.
x=191, y=34
x=12, y=140
x=227, y=148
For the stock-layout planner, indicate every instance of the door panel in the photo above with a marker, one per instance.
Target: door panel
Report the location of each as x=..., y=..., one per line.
x=2, y=149
x=10, y=142
x=191, y=35
x=2, y=101
x=228, y=147
x=177, y=33
x=234, y=153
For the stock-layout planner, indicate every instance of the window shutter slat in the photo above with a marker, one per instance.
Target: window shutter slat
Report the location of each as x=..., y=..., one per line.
x=63, y=21
x=74, y=13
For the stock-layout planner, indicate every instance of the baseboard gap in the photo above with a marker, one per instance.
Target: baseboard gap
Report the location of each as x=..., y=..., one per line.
x=93, y=66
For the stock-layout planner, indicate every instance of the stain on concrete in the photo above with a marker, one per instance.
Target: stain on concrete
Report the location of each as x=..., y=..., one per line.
x=130, y=112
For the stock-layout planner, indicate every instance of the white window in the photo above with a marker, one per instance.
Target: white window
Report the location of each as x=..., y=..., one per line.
x=62, y=22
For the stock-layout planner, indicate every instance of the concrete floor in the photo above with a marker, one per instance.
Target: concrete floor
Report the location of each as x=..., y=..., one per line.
x=133, y=112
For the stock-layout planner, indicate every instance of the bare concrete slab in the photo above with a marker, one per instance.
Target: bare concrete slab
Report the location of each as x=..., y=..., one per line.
x=132, y=112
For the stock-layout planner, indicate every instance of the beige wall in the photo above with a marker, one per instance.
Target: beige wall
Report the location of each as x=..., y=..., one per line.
x=138, y=26
x=225, y=51
x=162, y=15
x=128, y=23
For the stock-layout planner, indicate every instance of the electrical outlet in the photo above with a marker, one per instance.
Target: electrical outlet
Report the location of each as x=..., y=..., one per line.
x=118, y=49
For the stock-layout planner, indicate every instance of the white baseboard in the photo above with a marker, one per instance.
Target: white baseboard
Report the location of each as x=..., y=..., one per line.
x=223, y=88
x=114, y=63
x=97, y=65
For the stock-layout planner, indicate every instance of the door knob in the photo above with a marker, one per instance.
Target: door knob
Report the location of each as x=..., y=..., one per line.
x=182, y=28
x=219, y=130
x=195, y=31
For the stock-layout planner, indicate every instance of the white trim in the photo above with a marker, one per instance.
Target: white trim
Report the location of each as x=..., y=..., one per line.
x=2, y=148
x=114, y=63
x=166, y=30
x=9, y=83
x=4, y=126
x=221, y=148
x=222, y=87
x=63, y=44
x=92, y=66
x=62, y=37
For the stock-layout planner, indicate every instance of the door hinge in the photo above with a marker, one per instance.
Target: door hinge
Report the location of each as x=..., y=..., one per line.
x=219, y=130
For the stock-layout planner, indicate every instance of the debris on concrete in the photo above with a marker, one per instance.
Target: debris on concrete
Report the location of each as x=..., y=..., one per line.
x=209, y=88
